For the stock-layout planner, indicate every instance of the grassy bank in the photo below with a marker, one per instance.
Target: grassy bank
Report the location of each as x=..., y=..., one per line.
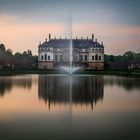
x=133, y=73
x=5, y=72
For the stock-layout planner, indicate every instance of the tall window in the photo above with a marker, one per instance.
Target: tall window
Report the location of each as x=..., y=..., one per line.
x=93, y=57
x=56, y=57
x=99, y=57
x=80, y=57
x=76, y=58
x=48, y=57
x=96, y=57
x=41, y=57
x=85, y=57
x=45, y=56
x=65, y=58
x=61, y=57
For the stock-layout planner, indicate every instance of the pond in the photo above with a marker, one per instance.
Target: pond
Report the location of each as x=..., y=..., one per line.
x=69, y=107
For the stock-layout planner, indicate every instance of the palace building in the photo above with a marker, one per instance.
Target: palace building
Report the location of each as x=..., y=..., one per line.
x=87, y=53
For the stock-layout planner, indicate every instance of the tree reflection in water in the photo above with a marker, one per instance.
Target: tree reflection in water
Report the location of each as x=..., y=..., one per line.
x=66, y=89
x=7, y=83
x=126, y=83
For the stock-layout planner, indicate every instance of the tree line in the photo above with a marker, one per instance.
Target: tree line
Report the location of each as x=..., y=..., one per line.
x=27, y=60
x=17, y=60
x=129, y=60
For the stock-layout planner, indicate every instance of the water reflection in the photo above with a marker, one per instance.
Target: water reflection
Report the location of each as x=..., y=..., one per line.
x=70, y=89
x=7, y=83
x=125, y=82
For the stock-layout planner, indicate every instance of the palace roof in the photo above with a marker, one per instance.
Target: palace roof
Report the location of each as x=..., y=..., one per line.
x=77, y=43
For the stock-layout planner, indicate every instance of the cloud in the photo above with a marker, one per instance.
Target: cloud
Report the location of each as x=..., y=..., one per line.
x=20, y=37
x=117, y=39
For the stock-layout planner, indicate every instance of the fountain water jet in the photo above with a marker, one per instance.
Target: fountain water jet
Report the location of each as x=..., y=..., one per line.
x=70, y=69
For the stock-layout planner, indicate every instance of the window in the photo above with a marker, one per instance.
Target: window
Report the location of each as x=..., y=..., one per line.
x=92, y=49
x=99, y=57
x=48, y=57
x=96, y=57
x=76, y=57
x=85, y=57
x=61, y=57
x=45, y=56
x=80, y=57
x=99, y=49
x=41, y=57
x=56, y=57
x=93, y=57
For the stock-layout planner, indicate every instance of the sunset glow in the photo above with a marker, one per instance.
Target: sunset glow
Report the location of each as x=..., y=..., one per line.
x=24, y=24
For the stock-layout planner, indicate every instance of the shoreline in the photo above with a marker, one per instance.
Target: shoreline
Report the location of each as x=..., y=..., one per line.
x=12, y=72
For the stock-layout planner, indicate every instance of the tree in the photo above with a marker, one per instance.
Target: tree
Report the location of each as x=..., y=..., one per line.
x=2, y=47
x=9, y=52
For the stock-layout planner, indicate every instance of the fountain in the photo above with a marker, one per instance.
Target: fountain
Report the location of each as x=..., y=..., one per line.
x=70, y=69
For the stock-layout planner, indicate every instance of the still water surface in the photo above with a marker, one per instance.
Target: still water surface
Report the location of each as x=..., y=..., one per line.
x=69, y=107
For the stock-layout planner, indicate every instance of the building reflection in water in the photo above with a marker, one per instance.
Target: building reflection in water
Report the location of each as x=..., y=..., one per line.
x=7, y=83
x=70, y=89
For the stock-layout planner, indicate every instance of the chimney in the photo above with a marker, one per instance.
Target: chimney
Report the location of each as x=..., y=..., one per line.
x=87, y=37
x=76, y=38
x=92, y=37
x=55, y=37
x=46, y=39
x=96, y=40
x=49, y=37
x=81, y=37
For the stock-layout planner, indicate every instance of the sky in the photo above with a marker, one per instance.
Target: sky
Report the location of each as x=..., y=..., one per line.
x=24, y=23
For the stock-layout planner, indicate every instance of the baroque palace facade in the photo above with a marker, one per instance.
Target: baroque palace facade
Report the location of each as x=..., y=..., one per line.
x=87, y=53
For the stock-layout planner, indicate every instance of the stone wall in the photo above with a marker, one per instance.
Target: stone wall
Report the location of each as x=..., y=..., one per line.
x=90, y=65
x=45, y=65
x=96, y=65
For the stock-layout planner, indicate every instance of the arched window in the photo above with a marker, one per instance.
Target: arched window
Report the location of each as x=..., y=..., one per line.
x=96, y=57
x=93, y=57
x=41, y=57
x=45, y=56
x=99, y=57
x=48, y=57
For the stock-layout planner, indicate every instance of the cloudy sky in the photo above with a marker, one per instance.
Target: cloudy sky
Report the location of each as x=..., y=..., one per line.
x=24, y=23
